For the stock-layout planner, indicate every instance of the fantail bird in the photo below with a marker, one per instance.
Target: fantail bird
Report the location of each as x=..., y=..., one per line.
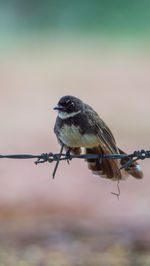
x=78, y=125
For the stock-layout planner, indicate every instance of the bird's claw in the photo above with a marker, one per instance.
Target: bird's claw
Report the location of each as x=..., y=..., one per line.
x=68, y=156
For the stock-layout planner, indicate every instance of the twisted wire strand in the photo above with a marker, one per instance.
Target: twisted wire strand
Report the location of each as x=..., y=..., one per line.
x=51, y=157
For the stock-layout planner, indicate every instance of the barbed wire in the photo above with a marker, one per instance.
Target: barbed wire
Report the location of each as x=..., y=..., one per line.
x=57, y=157
x=51, y=157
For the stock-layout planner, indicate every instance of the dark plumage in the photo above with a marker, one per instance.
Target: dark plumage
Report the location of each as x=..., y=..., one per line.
x=78, y=125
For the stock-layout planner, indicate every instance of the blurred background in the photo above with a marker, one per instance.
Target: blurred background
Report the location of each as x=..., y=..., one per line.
x=98, y=51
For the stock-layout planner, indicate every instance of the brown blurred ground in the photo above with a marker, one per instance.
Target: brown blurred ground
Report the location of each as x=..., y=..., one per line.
x=73, y=219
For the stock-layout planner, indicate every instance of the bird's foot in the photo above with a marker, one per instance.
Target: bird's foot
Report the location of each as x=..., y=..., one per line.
x=68, y=156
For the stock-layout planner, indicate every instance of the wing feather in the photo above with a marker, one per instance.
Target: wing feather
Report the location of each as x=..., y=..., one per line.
x=106, y=141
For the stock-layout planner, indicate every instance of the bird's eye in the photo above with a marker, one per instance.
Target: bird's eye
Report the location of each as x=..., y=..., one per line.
x=69, y=103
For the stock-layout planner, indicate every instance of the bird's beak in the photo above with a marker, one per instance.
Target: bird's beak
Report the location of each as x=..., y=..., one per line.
x=58, y=107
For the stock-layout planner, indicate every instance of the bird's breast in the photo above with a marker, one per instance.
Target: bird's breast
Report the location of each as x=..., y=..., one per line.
x=71, y=136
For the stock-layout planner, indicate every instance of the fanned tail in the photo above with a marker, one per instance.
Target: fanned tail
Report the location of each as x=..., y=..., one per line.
x=134, y=169
x=108, y=168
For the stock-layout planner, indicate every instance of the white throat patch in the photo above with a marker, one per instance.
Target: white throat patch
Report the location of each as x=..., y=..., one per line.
x=65, y=115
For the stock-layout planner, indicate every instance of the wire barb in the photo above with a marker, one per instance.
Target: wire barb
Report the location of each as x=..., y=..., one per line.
x=56, y=166
x=44, y=157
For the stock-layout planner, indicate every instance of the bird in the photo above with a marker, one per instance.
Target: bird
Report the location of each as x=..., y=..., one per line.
x=78, y=126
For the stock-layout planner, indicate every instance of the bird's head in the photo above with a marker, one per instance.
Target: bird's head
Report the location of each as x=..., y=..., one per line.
x=68, y=106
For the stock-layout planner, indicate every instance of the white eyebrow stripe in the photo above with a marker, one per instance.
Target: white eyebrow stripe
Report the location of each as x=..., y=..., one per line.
x=65, y=115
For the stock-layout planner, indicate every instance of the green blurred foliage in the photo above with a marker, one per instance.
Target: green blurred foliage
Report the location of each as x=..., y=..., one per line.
x=106, y=16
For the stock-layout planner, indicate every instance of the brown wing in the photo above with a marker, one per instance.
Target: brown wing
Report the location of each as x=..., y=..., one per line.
x=109, y=167
x=104, y=134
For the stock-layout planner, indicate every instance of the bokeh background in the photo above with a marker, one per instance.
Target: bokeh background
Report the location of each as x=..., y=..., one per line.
x=98, y=51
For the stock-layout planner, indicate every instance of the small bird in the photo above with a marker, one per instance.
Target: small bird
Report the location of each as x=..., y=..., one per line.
x=79, y=126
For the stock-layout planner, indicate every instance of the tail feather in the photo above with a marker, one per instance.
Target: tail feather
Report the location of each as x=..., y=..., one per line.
x=110, y=168
x=134, y=169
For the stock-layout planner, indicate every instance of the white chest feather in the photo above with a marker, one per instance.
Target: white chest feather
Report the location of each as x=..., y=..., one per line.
x=71, y=136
